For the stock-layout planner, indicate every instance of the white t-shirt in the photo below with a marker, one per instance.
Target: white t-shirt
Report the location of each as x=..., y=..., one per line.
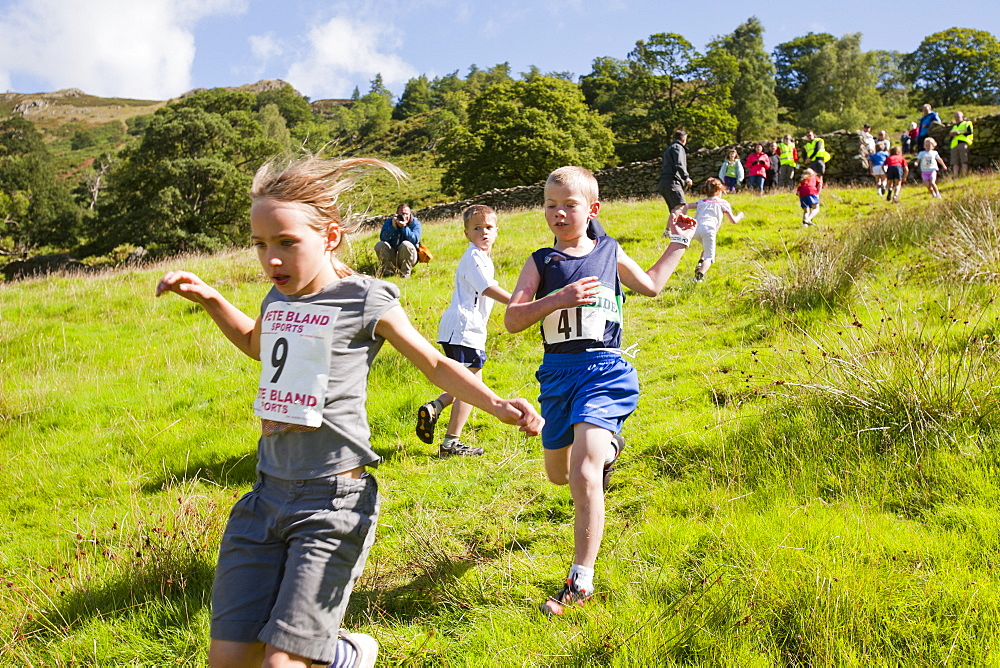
x=928, y=161
x=464, y=323
x=709, y=212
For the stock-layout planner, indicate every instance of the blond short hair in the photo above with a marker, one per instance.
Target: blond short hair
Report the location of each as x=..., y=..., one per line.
x=579, y=178
x=471, y=212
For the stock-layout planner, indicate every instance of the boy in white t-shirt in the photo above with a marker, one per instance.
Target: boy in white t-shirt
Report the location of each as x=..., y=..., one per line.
x=462, y=332
x=709, y=212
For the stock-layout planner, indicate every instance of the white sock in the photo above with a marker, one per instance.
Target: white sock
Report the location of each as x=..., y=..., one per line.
x=612, y=451
x=583, y=577
x=449, y=440
x=346, y=656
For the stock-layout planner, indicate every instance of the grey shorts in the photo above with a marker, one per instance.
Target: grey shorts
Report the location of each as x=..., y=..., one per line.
x=960, y=155
x=673, y=194
x=289, y=558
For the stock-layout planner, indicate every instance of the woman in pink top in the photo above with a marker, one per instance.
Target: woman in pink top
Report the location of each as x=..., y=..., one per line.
x=757, y=166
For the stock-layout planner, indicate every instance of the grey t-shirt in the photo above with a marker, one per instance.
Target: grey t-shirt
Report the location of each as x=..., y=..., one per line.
x=342, y=441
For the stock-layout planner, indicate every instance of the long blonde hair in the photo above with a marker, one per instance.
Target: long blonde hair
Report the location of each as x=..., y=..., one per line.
x=316, y=184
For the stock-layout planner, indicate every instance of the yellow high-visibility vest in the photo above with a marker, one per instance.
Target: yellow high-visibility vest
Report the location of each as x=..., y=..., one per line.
x=786, y=153
x=964, y=130
x=816, y=150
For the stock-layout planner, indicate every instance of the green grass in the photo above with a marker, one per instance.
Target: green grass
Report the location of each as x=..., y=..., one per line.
x=812, y=476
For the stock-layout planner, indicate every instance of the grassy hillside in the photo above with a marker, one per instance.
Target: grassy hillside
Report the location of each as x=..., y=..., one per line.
x=812, y=477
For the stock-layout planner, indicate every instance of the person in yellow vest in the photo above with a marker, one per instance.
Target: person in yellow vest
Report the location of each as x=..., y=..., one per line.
x=788, y=155
x=817, y=155
x=961, y=140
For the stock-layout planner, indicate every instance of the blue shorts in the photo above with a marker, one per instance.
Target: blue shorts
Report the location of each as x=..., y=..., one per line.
x=464, y=355
x=289, y=558
x=809, y=201
x=599, y=388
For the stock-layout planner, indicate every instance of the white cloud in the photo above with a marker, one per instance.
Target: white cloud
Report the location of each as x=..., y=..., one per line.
x=339, y=50
x=265, y=47
x=127, y=48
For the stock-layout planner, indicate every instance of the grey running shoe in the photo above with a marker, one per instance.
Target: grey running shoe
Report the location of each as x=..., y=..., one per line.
x=459, y=448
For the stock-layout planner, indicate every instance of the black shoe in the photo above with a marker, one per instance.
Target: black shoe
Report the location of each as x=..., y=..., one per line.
x=609, y=467
x=427, y=417
x=569, y=595
x=459, y=448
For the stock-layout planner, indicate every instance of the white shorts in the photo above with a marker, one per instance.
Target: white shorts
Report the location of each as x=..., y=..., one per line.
x=705, y=235
x=878, y=170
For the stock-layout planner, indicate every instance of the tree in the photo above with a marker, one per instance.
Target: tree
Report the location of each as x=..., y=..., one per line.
x=416, y=99
x=518, y=132
x=273, y=124
x=840, y=88
x=956, y=66
x=754, y=104
x=890, y=80
x=600, y=87
x=792, y=73
x=184, y=186
x=671, y=85
x=294, y=108
x=37, y=207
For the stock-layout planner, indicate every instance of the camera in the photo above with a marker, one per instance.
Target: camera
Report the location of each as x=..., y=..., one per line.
x=400, y=217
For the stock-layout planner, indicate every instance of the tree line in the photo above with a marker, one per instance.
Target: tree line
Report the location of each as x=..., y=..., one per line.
x=177, y=180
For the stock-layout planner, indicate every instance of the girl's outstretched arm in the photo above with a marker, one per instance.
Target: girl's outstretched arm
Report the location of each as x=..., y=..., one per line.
x=238, y=327
x=451, y=376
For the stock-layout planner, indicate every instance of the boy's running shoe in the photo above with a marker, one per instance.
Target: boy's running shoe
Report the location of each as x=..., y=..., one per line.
x=427, y=417
x=365, y=649
x=568, y=596
x=459, y=448
x=609, y=467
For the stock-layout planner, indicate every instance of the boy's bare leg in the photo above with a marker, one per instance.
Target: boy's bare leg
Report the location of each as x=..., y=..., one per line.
x=460, y=411
x=581, y=465
x=231, y=654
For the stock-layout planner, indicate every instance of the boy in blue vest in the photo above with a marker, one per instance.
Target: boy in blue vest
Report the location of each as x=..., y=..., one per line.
x=574, y=290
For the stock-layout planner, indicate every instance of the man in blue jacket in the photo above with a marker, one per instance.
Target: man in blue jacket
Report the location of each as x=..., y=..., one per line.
x=398, y=242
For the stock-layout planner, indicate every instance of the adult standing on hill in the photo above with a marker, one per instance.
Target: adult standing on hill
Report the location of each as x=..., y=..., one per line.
x=929, y=118
x=816, y=155
x=961, y=140
x=788, y=155
x=674, y=177
x=398, y=243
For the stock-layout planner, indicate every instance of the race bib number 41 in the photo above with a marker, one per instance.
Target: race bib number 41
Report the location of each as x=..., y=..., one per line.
x=583, y=322
x=295, y=342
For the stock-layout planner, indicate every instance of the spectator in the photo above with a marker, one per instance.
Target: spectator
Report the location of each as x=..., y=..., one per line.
x=398, y=243
x=731, y=171
x=772, y=165
x=817, y=155
x=788, y=155
x=909, y=139
x=757, y=164
x=883, y=137
x=929, y=118
x=674, y=176
x=961, y=140
x=867, y=140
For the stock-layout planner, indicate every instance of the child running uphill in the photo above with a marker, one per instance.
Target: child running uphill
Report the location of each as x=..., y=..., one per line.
x=574, y=289
x=929, y=161
x=896, y=171
x=462, y=332
x=708, y=214
x=808, y=191
x=295, y=545
x=877, y=162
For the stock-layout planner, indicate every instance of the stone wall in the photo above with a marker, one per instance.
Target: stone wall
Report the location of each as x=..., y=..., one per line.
x=638, y=180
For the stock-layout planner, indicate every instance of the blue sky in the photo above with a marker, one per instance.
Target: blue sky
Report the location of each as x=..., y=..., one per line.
x=158, y=49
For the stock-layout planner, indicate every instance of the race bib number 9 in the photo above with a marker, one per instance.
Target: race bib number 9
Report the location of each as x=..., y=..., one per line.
x=583, y=322
x=295, y=342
